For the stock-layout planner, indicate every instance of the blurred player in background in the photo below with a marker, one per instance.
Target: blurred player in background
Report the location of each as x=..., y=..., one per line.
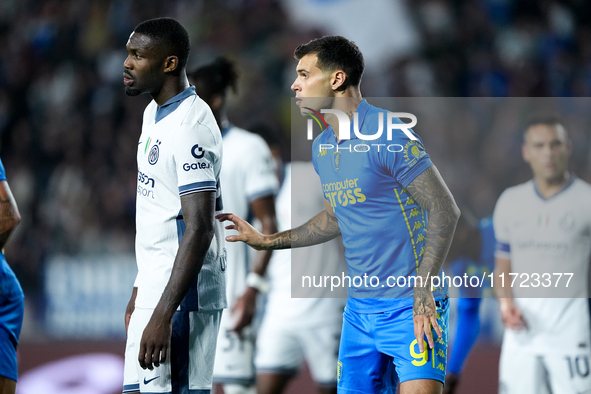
x=543, y=228
x=250, y=185
x=174, y=314
x=294, y=330
x=384, y=329
x=472, y=252
x=12, y=299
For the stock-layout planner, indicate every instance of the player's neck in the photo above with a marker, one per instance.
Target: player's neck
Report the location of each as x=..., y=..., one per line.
x=171, y=87
x=549, y=187
x=346, y=102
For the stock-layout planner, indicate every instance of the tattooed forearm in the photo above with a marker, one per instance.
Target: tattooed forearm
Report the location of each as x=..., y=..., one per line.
x=321, y=228
x=431, y=193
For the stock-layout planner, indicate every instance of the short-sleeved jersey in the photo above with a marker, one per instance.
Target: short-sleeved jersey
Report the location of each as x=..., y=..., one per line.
x=546, y=236
x=9, y=285
x=247, y=174
x=179, y=152
x=383, y=228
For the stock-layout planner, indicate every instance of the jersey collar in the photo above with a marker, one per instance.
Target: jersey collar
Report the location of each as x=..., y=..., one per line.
x=570, y=182
x=361, y=111
x=168, y=107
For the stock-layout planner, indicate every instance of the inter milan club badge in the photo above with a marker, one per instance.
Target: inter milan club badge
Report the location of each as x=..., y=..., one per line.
x=336, y=160
x=154, y=153
x=567, y=222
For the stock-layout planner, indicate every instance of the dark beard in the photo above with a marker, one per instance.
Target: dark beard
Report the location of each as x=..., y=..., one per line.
x=131, y=91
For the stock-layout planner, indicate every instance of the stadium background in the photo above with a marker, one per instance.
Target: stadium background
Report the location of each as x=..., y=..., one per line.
x=68, y=133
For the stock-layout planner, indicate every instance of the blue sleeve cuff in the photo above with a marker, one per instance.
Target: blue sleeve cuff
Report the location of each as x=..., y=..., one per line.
x=197, y=187
x=415, y=171
x=503, y=247
x=503, y=250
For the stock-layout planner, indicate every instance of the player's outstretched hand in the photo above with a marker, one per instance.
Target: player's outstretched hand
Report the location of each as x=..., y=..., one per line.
x=424, y=317
x=246, y=233
x=155, y=342
x=511, y=314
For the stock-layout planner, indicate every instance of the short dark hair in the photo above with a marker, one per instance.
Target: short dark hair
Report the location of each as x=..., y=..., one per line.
x=335, y=52
x=217, y=76
x=543, y=118
x=170, y=35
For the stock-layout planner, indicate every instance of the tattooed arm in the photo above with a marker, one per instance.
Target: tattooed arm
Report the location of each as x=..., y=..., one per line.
x=430, y=192
x=9, y=216
x=321, y=228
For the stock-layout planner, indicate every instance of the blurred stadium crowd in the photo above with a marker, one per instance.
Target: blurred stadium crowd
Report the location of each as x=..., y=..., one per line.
x=68, y=132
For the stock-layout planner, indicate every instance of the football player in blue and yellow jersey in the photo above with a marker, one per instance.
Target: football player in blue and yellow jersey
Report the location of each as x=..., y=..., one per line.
x=397, y=219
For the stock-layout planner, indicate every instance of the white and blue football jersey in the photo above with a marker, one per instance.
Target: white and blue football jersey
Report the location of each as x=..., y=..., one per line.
x=179, y=152
x=546, y=239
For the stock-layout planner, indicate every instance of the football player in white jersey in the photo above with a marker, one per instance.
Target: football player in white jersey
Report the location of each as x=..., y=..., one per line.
x=250, y=186
x=543, y=230
x=173, y=317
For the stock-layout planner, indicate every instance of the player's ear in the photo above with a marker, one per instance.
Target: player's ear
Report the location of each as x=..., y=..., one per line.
x=337, y=80
x=170, y=63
